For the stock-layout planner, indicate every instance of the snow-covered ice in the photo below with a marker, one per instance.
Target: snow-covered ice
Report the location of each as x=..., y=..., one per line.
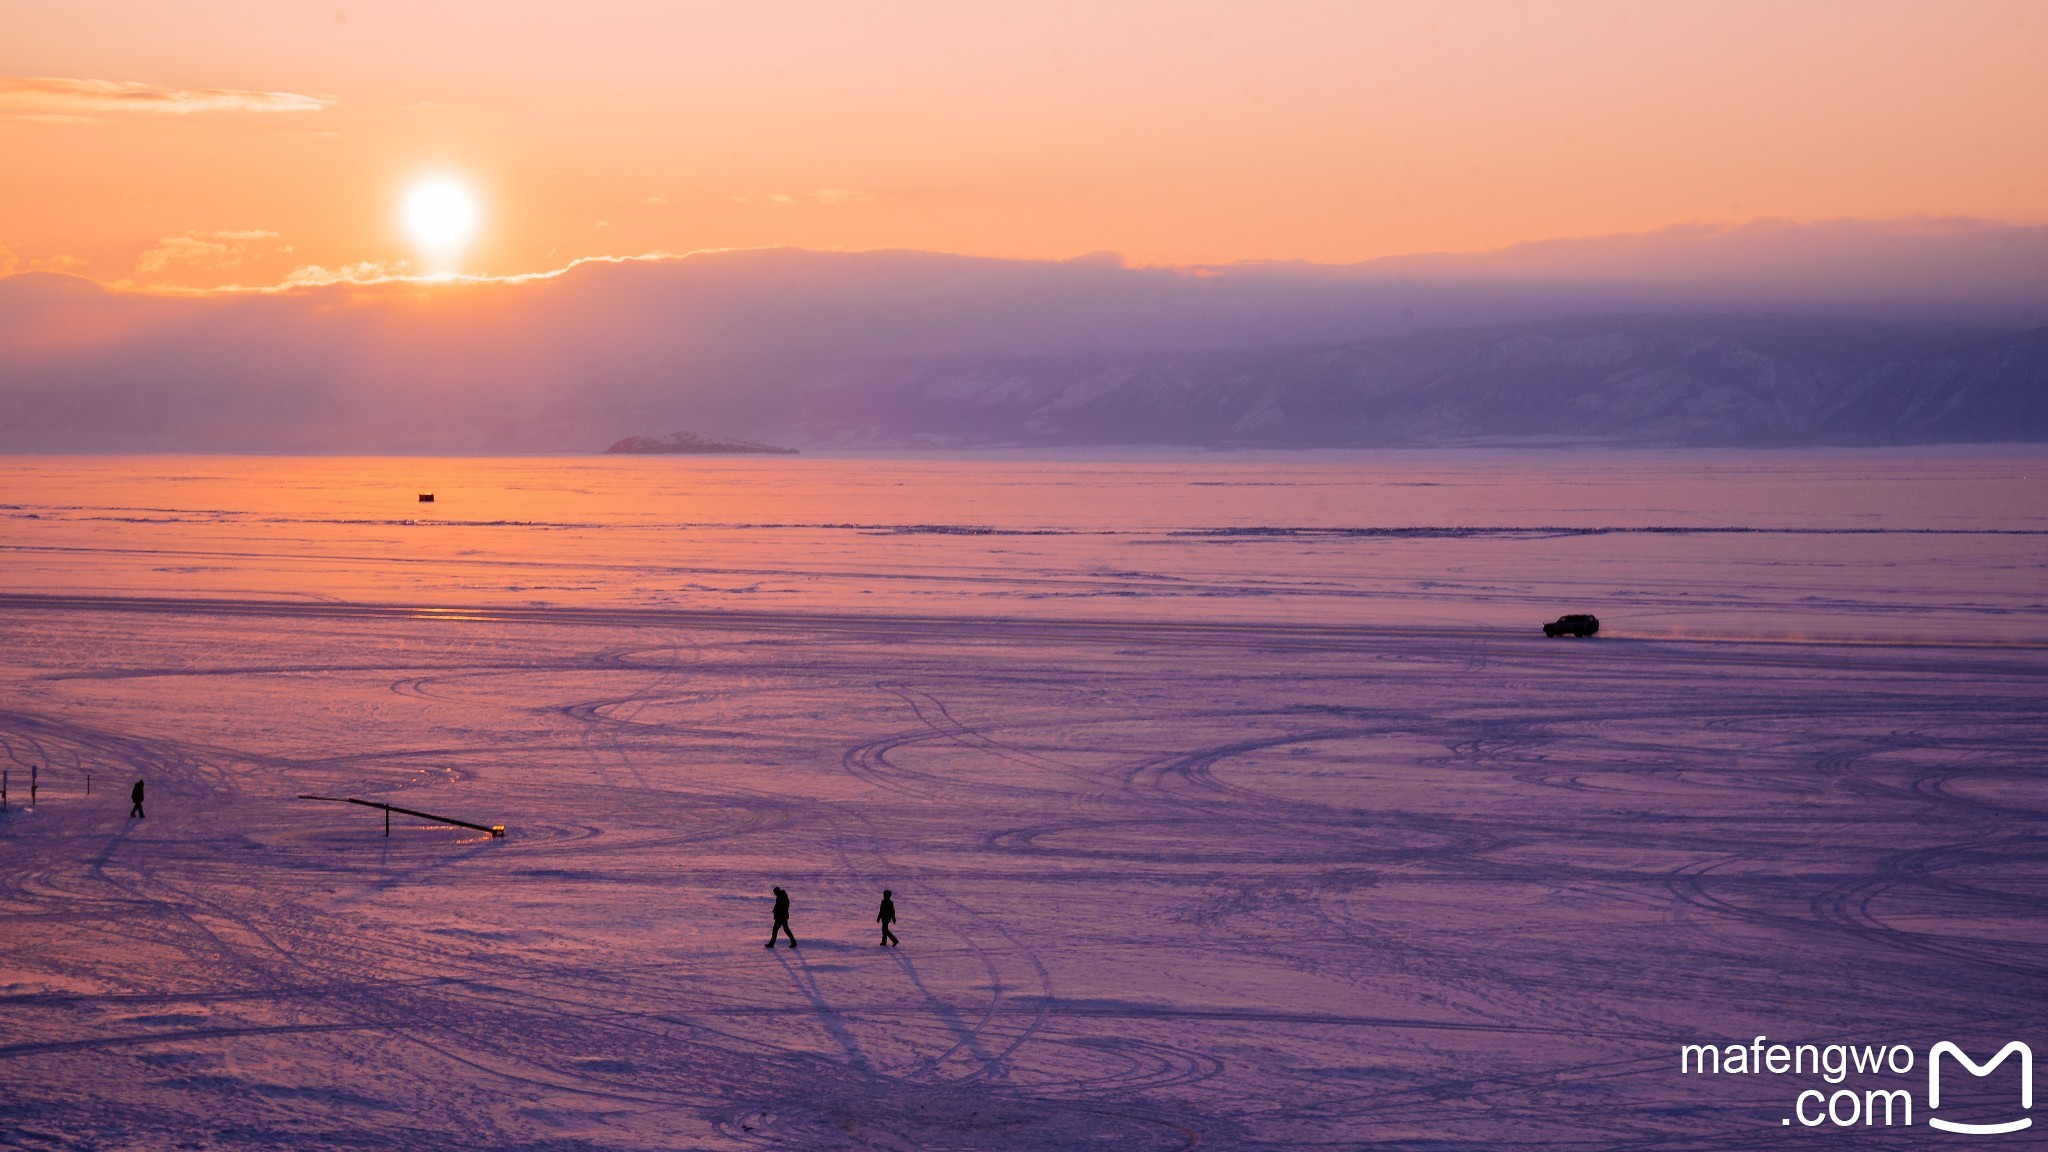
x=1201, y=836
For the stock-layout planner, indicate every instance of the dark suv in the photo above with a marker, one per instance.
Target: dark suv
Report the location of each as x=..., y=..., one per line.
x=1575, y=625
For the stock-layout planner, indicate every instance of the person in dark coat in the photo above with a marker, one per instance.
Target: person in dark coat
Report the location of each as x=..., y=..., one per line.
x=135, y=794
x=886, y=917
x=781, y=919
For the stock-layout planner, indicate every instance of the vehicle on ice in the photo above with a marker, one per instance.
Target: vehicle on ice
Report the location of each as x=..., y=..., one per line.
x=1577, y=624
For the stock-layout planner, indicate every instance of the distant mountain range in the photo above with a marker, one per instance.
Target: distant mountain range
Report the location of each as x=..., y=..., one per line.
x=691, y=444
x=1697, y=381
x=1879, y=334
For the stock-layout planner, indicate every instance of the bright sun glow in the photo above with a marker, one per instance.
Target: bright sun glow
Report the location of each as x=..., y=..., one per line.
x=441, y=216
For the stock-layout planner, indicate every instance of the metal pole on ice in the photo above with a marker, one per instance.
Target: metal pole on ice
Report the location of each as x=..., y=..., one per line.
x=496, y=831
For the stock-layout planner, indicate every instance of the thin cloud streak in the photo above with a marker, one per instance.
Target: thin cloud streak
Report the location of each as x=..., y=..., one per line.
x=1824, y=263
x=373, y=273
x=201, y=249
x=62, y=99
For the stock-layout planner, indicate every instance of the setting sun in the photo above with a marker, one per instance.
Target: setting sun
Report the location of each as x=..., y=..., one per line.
x=441, y=216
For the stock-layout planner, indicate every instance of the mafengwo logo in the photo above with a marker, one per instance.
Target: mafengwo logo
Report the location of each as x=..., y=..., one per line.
x=1885, y=1105
x=1945, y=1048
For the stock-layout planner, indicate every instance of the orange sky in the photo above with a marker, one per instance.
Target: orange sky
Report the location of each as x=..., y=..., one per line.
x=243, y=141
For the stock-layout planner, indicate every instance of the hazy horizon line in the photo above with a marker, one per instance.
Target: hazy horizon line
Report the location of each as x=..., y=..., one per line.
x=371, y=274
x=1079, y=454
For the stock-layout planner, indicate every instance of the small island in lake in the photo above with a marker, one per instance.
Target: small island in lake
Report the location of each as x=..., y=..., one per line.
x=691, y=444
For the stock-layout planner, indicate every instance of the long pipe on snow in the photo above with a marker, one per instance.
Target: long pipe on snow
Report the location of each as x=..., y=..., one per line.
x=497, y=831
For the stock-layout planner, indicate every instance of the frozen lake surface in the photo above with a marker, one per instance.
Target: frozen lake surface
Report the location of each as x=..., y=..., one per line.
x=1902, y=545
x=1228, y=802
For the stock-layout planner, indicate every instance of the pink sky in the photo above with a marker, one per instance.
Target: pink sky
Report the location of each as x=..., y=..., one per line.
x=244, y=141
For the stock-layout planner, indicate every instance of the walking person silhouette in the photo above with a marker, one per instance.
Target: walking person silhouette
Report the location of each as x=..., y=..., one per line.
x=135, y=794
x=886, y=917
x=781, y=919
